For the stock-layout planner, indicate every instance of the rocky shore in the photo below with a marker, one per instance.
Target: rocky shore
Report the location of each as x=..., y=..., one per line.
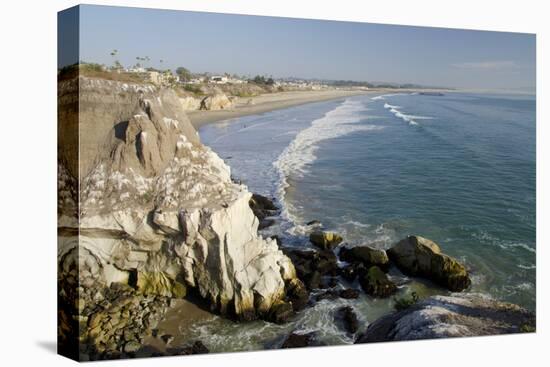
x=156, y=211
x=158, y=221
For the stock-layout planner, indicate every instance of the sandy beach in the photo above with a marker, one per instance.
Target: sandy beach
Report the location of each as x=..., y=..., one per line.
x=267, y=102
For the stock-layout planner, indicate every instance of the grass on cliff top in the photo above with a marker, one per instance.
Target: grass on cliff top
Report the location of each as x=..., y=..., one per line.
x=97, y=72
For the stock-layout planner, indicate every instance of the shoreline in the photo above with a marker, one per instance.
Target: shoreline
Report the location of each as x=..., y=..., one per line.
x=267, y=103
x=246, y=106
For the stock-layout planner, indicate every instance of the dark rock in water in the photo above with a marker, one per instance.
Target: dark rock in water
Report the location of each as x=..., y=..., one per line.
x=280, y=312
x=297, y=294
x=314, y=222
x=450, y=316
x=298, y=340
x=349, y=319
x=376, y=283
x=197, y=348
x=353, y=271
x=349, y=293
x=262, y=206
x=312, y=265
x=333, y=294
x=277, y=239
x=364, y=254
x=264, y=223
x=325, y=240
x=419, y=256
x=326, y=263
x=330, y=282
x=167, y=338
x=262, y=202
x=313, y=280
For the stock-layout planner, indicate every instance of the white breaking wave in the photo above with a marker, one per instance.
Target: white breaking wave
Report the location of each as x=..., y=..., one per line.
x=407, y=118
x=387, y=105
x=300, y=153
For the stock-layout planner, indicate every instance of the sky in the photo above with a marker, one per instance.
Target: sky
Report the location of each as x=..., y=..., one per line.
x=286, y=47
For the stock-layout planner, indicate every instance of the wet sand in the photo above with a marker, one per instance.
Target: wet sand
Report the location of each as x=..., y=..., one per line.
x=181, y=315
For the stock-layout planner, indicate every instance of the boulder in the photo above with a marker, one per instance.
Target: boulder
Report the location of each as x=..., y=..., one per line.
x=364, y=254
x=189, y=103
x=325, y=240
x=332, y=294
x=314, y=222
x=158, y=283
x=280, y=312
x=450, y=316
x=352, y=271
x=262, y=203
x=346, y=315
x=419, y=256
x=218, y=101
x=297, y=294
x=167, y=338
x=311, y=265
x=132, y=347
x=376, y=283
x=196, y=348
x=264, y=223
x=349, y=293
x=263, y=207
x=295, y=340
x=313, y=280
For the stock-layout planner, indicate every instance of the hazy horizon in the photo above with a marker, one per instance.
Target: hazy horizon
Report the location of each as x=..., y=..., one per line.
x=312, y=49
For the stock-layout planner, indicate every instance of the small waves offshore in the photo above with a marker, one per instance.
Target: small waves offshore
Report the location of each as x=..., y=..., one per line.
x=410, y=119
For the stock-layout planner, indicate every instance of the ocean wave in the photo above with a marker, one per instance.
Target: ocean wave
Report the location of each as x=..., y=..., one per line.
x=410, y=119
x=485, y=236
x=300, y=153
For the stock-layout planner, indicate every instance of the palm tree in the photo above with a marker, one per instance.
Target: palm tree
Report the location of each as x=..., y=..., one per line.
x=116, y=64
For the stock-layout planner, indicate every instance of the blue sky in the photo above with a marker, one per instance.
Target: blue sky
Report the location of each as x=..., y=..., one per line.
x=284, y=47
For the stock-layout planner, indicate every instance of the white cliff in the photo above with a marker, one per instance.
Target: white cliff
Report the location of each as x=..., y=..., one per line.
x=157, y=205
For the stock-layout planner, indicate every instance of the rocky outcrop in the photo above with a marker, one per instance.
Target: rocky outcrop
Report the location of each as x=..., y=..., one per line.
x=157, y=209
x=376, y=283
x=263, y=208
x=311, y=266
x=419, y=256
x=216, y=101
x=366, y=255
x=189, y=103
x=332, y=294
x=298, y=340
x=347, y=317
x=452, y=316
x=325, y=240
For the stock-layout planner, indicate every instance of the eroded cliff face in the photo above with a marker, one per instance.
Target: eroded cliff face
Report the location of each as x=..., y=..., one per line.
x=155, y=208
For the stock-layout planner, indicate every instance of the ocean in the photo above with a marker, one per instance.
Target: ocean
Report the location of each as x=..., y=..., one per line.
x=459, y=169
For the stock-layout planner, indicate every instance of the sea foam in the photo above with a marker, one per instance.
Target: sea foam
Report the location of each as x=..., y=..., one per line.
x=300, y=153
x=407, y=118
